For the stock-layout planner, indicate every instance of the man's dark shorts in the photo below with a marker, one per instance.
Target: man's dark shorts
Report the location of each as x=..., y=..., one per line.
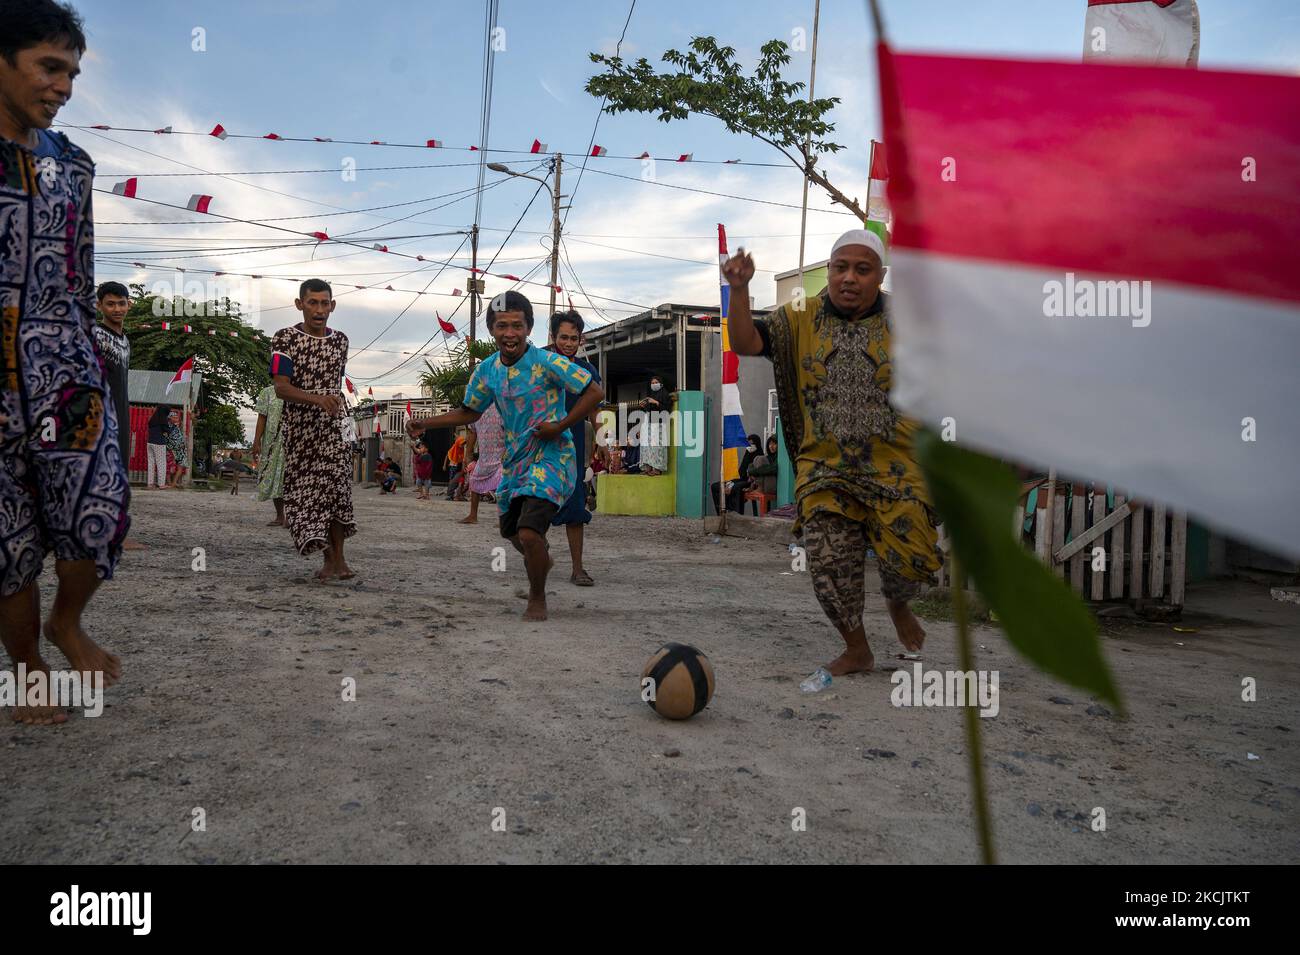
x=534, y=513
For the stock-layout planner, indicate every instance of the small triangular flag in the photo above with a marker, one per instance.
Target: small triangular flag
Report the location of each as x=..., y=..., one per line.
x=598, y=150
x=538, y=146
x=272, y=136
x=163, y=131
x=125, y=188
x=685, y=157
x=219, y=131
x=198, y=203
x=433, y=143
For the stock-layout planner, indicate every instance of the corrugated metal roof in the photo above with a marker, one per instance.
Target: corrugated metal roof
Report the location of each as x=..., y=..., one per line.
x=150, y=387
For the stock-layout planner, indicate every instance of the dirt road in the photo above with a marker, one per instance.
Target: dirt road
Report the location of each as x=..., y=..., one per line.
x=232, y=704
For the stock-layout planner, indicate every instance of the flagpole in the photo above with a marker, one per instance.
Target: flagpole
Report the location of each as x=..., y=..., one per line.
x=871, y=167
x=965, y=650
x=812, y=82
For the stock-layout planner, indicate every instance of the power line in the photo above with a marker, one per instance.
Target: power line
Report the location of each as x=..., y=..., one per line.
x=596, y=125
x=412, y=302
x=723, y=195
x=536, y=193
x=425, y=145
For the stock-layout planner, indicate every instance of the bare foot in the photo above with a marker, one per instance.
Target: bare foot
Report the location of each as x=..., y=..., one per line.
x=582, y=579
x=325, y=573
x=536, y=609
x=39, y=715
x=852, y=661
x=468, y=520
x=83, y=653
x=910, y=632
x=343, y=571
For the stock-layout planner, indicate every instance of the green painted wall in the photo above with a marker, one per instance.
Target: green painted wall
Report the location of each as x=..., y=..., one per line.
x=691, y=493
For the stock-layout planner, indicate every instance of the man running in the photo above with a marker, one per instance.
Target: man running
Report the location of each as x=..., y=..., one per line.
x=525, y=383
x=566, y=338
x=857, y=483
x=307, y=362
x=63, y=483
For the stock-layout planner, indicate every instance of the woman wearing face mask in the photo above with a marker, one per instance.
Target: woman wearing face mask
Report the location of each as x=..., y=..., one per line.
x=654, y=433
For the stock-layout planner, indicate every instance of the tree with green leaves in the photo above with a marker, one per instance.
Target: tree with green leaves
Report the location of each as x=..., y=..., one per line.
x=708, y=81
x=447, y=382
x=234, y=368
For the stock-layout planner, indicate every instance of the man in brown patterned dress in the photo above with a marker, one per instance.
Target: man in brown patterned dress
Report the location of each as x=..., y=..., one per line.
x=307, y=363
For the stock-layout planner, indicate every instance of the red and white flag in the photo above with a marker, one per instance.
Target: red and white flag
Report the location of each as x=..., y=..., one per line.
x=219, y=131
x=278, y=136
x=183, y=374
x=370, y=392
x=163, y=132
x=433, y=143
x=348, y=382
x=319, y=139
x=125, y=188
x=447, y=327
x=321, y=236
x=599, y=151
x=409, y=416
x=877, y=203
x=1152, y=31
x=198, y=203
x=538, y=146
x=1094, y=269
x=644, y=155
x=686, y=157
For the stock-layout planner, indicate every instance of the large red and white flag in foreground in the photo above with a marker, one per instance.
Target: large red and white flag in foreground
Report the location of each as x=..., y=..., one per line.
x=1095, y=268
x=1160, y=31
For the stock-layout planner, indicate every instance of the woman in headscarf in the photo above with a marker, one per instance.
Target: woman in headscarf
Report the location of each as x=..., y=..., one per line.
x=176, y=445
x=654, y=432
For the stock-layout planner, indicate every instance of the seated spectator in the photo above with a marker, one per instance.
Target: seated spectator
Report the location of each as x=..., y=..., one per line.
x=735, y=490
x=392, y=472
x=763, y=468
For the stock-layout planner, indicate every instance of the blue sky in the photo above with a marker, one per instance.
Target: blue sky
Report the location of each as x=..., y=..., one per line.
x=405, y=72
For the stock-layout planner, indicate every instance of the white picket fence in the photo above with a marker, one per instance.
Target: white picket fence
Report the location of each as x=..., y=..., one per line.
x=1128, y=551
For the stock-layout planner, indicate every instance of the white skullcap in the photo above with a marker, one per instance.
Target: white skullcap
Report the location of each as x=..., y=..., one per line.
x=860, y=237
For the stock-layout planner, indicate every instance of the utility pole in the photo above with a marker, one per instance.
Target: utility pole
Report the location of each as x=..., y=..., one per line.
x=555, y=229
x=473, y=287
x=473, y=284
x=812, y=82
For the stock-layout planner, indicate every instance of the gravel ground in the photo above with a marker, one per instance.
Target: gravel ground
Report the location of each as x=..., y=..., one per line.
x=232, y=702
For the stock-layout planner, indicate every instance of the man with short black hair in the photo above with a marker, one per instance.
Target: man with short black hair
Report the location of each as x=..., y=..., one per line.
x=566, y=339
x=115, y=357
x=525, y=382
x=307, y=362
x=62, y=478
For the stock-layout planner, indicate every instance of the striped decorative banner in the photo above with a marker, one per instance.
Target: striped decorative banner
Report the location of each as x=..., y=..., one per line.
x=733, y=429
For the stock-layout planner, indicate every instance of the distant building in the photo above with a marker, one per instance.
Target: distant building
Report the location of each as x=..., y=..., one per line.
x=146, y=390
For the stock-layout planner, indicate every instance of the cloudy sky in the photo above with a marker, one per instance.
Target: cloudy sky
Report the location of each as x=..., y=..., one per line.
x=405, y=72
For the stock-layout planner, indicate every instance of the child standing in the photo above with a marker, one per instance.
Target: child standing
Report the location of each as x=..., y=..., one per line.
x=423, y=472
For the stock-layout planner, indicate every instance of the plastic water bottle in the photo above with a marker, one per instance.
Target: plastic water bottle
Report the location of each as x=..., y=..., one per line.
x=820, y=680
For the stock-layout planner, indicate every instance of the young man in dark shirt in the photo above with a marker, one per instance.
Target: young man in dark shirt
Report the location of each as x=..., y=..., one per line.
x=115, y=355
